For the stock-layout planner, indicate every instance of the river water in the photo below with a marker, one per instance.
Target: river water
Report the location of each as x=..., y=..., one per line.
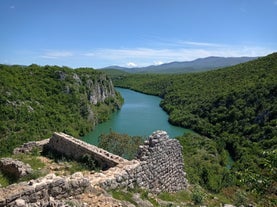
x=140, y=115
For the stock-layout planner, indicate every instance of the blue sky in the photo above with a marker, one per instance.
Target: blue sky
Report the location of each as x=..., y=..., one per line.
x=99, y=33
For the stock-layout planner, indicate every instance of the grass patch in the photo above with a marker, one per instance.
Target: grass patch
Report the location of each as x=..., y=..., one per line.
x=74, y=166
x=36, y=164
x=125, y=196
x=181, y=196
x=145, y=195
x=4, y=181
x=34, y=175
x=70, y=166
x=32, y=160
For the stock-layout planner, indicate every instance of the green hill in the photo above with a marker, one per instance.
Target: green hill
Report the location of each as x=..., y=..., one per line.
x=219, y=101
x=113, y=73
x=236, y=107
x=35, y=101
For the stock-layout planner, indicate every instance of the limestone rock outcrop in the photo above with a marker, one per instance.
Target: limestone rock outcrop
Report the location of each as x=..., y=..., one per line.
x=15, y=168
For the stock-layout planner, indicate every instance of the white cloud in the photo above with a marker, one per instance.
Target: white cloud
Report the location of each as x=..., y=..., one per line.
x=131, y=64
x=147, y=56
x=201, y=44
x=12, y=7
x=56, y=54
x=140, y=57
x=158, y=62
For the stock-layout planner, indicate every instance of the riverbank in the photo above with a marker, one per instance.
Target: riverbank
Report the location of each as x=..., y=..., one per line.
x=140, y=115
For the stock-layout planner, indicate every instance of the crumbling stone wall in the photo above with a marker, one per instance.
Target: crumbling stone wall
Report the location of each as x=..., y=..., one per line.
x=158, y=167
x=76, y=149
x=41, y=191
x=29, y=146
x=162, y=164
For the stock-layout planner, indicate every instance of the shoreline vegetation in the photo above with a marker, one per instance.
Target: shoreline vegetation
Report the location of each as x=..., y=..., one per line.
x=234, y=111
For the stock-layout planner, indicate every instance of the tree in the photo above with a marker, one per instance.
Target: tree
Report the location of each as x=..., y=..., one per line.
x=120, y=144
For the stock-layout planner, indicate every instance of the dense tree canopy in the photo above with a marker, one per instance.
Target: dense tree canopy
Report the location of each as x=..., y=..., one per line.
x=35, y=101
x=121, y=144
x=236, y=107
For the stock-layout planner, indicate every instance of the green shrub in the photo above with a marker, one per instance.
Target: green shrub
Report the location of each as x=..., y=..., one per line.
x=198, y=196
x=88, y=162
x=120, y=144
x=4, y=180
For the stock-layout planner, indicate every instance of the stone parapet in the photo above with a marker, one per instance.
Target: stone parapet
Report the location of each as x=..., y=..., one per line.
x=76, y=149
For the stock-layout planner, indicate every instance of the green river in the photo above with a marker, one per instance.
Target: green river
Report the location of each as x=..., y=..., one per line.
x=140, y=115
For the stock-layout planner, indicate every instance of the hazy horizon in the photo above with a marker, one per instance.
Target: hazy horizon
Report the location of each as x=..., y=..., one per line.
x=135, y=33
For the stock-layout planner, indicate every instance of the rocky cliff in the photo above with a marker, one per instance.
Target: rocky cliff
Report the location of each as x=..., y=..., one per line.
x=96, y=86
x=36, y=100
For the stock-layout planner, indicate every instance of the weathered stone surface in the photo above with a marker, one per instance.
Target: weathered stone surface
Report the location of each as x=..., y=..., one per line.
x=158, y=167
x=14, y=167
x=39, y=191
x=20, y=203
x=29, y=146
x=97, y=93
x=76, y=149
x=163, y=168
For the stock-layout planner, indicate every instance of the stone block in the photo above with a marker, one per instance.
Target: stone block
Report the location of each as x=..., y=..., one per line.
x=20, y=203
x=15, y=168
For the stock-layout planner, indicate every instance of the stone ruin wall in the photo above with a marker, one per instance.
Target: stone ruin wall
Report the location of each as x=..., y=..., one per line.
x=43, y=191
x=158, y=167
x=162, y=164
x=76, y=149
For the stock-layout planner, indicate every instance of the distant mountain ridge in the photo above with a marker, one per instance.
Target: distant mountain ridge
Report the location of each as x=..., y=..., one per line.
x=197, y=65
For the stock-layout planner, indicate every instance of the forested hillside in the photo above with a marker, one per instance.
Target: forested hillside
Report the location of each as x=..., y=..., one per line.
x=35, y=101
x=236, y=107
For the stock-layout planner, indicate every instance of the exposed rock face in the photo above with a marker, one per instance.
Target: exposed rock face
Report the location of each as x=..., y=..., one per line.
x=15, y=168
x=99, y=91
x=93, y=88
